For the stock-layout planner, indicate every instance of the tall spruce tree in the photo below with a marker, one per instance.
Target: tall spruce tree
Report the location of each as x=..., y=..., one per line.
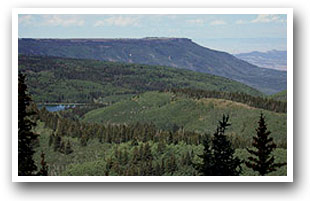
x=26, y=137
x=218, y=159
x=68, y=149
x=44, y=167
x=206, y=168
x=261, y=160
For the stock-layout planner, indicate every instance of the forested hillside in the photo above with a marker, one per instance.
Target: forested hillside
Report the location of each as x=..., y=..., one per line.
x=52, y=79
x=170, y=112
x=281, y=96
x=175, y=52
x=142, y=120
x=92, y=149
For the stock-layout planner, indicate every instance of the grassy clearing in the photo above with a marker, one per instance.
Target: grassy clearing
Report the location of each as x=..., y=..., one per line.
x=166, y=110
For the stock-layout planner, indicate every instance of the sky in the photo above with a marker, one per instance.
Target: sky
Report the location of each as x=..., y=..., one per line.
x=233, y=33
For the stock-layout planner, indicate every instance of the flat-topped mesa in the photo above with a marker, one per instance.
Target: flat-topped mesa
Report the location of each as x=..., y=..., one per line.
x=175, y=52
x=166, y=39
x=159, y=39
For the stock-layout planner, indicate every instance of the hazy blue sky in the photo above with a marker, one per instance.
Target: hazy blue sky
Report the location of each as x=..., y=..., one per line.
x=231, y=33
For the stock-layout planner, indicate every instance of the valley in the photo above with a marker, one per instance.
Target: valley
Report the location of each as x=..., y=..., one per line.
x=129, y=118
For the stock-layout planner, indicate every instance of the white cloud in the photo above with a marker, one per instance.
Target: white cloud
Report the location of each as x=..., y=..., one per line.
x=165, y=16
x=195, y=21
x=218, y=22
x=117, y=21
x=62, y=20
x=25, y=19
x=266, y=18
x=263, y=18
x=241, y=22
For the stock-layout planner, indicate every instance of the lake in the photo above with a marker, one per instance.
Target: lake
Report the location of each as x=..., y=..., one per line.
x=56, y=108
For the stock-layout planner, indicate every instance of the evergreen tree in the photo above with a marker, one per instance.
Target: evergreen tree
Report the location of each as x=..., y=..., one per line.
x=134, y=142
x=175, y=128
x=26, y=137
x=125, y=157
x=59, y=129
x=163, y=166
x=83, y=140
x=51, y=140
x=218, y=159
x=57, y=143
x=99, y=134
x=136, y=157
x=170, y=138
x=44, y=168
x=68, y=149
x=171, y=164
x=261, y=159
x=187, y=160
x=157, y=170
x=147, y=153
x=149, y=170
x=62, y=147
x=161, y=147
x=207, y=167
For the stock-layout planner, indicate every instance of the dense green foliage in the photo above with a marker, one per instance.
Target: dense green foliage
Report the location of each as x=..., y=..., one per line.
x=26, y=137
x=73, y=80
x=218, y=156
x=144, y=120
x=281, y=96
x=93, y=159
x=254, y=101
x=110, y=133
x=44, y=167
x=77, y=148
x=166, y=110
x=175, y=52
x=261, y=159
x=79, y=111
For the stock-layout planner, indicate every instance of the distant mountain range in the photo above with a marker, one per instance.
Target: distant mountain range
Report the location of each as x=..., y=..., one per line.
x=273, y=59
x=175, y=52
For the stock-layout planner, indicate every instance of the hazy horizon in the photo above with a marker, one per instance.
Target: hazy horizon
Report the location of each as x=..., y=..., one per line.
x=231, y=33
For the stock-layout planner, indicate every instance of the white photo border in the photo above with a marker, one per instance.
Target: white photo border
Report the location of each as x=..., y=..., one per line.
x=287, y=11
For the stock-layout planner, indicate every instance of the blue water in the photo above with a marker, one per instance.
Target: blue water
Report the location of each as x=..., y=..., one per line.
x=55, y=108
